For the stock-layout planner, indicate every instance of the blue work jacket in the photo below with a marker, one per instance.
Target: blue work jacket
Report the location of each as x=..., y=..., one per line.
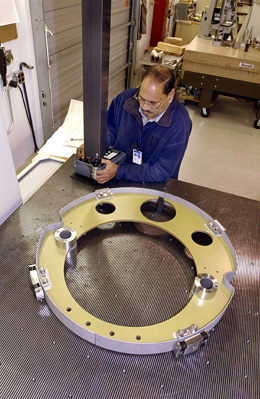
x=162, y=143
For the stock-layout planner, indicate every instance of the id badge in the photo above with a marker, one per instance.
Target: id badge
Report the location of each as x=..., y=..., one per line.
x=137, y=157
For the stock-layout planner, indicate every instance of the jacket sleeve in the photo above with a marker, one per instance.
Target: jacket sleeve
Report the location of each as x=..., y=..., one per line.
x=111, y=123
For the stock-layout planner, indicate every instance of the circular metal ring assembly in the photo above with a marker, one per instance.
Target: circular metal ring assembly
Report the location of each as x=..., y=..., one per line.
x=204, y=240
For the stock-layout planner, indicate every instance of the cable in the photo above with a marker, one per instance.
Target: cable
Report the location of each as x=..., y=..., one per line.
x=26, y=104
x=11, y=83
x=25, y=91
x=29, y=120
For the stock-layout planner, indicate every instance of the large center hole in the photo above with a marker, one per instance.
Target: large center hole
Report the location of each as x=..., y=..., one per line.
x=126, y=276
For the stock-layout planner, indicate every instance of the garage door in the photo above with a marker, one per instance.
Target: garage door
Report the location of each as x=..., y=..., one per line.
x=63, y=20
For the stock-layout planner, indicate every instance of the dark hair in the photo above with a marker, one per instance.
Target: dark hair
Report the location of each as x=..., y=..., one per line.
x=161, y=74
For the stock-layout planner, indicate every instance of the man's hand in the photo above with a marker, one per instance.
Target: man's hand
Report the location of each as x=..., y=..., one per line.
x=108, y=173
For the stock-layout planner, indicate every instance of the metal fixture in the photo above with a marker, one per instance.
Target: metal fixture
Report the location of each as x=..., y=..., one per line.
x=211, y=251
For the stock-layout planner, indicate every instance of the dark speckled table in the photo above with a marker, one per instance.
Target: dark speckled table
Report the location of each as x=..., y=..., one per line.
x=41, y=358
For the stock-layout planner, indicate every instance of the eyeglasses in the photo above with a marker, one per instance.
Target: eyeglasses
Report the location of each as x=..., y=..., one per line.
x=152, y=104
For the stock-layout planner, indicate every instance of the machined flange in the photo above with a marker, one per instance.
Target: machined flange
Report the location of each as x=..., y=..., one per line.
x=204, y=239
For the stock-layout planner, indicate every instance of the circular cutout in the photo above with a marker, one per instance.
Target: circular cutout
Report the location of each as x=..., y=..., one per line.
x=158, y=211
x=105, y=208
x=201, y=238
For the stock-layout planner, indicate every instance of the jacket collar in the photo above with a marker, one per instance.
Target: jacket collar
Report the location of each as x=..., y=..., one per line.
x=132, y=107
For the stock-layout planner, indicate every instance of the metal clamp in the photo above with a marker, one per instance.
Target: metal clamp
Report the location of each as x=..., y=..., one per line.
x=191, y=344
x=39, y=293
x=104, y=194
x=215, y=227
x=186, y=331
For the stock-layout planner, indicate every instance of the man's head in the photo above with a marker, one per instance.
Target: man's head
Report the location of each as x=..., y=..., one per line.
x=156, y=91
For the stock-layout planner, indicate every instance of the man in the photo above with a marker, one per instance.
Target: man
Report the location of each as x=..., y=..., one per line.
x=151, y=126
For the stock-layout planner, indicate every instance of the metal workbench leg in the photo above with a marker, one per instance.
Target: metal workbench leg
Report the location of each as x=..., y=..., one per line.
x=257, y=121
x=205, y=100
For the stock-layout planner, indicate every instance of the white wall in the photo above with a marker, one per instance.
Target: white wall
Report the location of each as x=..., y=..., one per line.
x=20, y=139
x=201, y=5
x=10, y=197
x=144, y=42
x=254, y=19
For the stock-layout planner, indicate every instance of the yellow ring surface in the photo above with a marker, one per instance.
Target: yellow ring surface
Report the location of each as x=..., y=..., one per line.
x=216, y=260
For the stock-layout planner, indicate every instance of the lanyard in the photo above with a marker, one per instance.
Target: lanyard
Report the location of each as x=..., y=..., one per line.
x=139, y=138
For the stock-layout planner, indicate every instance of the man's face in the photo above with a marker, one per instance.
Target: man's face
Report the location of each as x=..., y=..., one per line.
x=152, y=100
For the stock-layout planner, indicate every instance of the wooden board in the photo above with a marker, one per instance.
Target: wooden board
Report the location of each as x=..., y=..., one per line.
x=202, y=56
x=7, y=33
x=177, y=41
x=169, y=48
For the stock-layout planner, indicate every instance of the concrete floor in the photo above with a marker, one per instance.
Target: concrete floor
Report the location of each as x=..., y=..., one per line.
x=223, y=151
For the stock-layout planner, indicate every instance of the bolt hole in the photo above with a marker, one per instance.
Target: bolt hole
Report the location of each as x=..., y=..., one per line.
x=65, y=234
x=138, y=337
x=88, y=323
x=112, y=333
x=68, y=309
